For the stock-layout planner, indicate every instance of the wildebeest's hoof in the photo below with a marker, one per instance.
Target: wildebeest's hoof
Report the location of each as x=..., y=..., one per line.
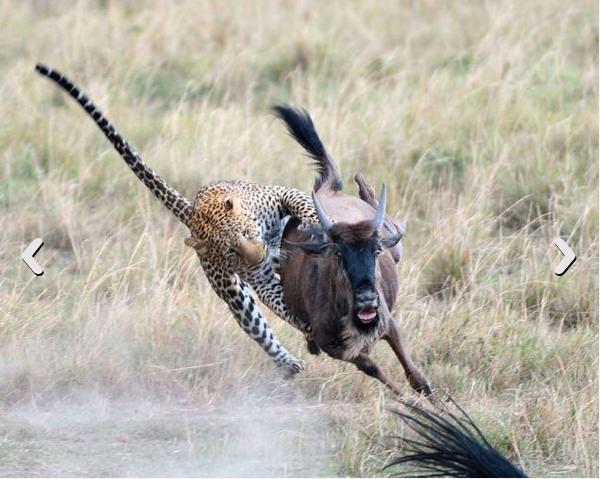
x=292, y=367
x=312, y=347
x=419, y=384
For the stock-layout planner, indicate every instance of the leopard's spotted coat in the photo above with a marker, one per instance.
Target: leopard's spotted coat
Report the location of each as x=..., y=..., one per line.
x=220, y=212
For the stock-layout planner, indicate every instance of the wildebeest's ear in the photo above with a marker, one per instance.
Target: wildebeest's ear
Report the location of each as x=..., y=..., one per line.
x=391, y=241
x=310, y=248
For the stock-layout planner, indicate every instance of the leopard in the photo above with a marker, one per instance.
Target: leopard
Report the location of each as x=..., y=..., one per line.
x=235, y=228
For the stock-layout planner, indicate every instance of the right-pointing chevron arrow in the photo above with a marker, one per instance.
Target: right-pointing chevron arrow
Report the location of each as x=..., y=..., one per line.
x=567, y=261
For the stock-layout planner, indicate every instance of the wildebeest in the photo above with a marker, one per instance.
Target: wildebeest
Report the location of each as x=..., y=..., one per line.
x=341, y=277
x=449, y=445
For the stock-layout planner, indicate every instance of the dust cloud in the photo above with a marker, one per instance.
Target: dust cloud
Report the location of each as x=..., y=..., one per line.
x=88, y=434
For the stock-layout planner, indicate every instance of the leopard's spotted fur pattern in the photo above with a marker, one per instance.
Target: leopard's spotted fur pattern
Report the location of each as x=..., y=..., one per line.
x=219, y=214
x=259, y=214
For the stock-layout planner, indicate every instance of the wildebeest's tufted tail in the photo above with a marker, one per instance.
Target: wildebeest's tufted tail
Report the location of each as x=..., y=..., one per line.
x=179, y=205
x=448, y=445
x=301, y=127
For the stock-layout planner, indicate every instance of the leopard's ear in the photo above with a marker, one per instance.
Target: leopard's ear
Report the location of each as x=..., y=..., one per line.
x=232, y=203
x=198, y=245
x=191, y=242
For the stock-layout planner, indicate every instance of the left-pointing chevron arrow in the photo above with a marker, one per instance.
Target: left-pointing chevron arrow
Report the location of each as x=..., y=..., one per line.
x=30, y=252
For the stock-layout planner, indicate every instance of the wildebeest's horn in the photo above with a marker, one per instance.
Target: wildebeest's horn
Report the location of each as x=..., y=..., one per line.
x=326, y=223
x=380, y=213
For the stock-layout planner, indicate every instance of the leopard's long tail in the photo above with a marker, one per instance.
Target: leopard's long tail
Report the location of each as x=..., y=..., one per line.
x=178, y=204
x=301, y=127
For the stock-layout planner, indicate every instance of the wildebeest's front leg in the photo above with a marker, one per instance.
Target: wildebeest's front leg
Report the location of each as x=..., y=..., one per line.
x=415, y=377
x=370, y=368
x=238, y=296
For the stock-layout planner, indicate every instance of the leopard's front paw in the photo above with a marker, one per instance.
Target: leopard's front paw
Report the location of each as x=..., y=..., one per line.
x=292, y=367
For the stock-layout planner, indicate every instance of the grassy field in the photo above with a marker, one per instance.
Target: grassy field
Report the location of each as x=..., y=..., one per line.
x=481, y=117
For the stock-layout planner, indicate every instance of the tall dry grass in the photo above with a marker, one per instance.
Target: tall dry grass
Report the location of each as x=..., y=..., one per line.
x=480, y=117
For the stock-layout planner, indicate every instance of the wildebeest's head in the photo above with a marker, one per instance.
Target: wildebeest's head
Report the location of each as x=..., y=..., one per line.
x=355, y=247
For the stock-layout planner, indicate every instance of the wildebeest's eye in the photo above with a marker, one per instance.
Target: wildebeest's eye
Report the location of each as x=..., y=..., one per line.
x=377, y=252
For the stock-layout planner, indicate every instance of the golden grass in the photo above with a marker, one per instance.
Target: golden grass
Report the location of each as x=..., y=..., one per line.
x=481, y=119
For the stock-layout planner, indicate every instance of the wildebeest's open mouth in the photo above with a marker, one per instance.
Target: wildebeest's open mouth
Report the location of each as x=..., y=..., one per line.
x=366, y=315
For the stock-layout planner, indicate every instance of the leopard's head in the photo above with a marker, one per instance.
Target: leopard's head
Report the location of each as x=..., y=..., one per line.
x=224, y=226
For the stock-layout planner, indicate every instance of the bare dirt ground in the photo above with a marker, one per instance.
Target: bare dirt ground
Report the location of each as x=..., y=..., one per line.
x=92, y=435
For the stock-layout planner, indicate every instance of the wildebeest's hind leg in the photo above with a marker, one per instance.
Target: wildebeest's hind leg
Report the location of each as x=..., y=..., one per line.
x=370, y=368
x=367, y=193
x=415, y=377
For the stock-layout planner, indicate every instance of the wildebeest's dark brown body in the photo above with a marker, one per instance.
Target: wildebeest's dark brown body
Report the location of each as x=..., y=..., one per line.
x=315, y=288
x=342, y=280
